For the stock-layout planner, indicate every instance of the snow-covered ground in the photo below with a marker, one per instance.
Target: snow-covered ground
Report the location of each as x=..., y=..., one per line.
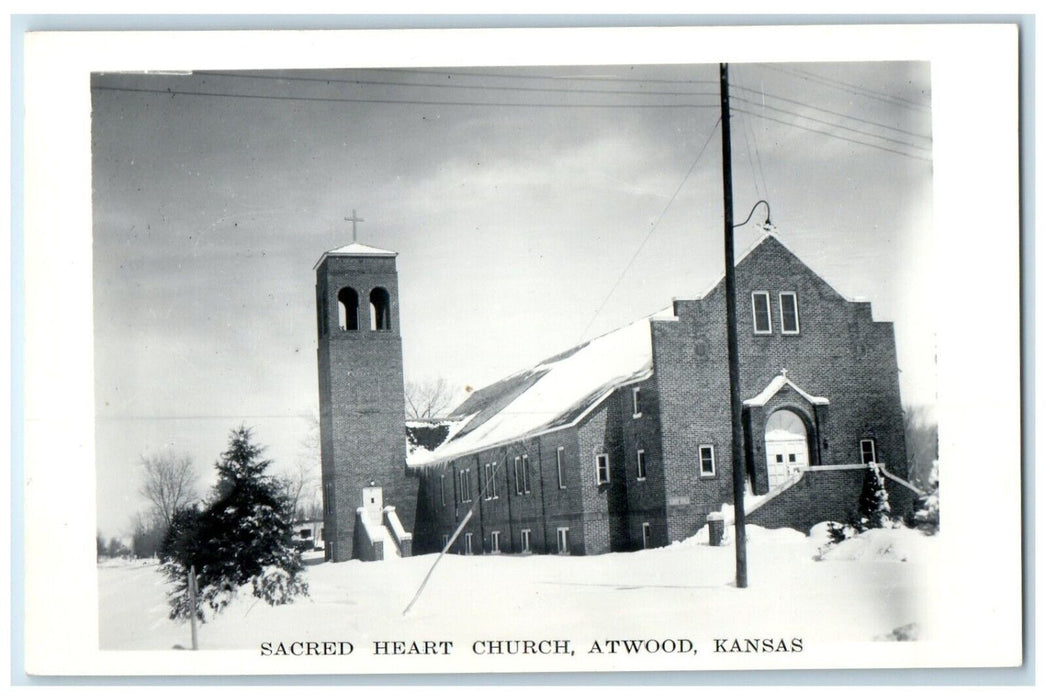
x=864, y=589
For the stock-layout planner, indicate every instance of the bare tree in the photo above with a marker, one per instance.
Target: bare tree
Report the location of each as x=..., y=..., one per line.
x=169, y=484
x=427, y=399
x=300, y=485
x=920, y=436
x=299, y=489
x=147, y=535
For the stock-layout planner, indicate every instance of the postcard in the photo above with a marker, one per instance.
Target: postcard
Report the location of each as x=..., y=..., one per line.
x=515, y=351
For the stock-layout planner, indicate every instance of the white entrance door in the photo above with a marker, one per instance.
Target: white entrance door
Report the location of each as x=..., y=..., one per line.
x=786, y=446
x=372, y=503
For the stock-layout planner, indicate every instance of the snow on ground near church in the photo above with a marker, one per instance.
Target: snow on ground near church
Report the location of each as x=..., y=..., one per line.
x=861, y=592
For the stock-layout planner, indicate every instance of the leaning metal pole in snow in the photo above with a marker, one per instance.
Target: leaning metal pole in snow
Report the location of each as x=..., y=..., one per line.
x=450, y=542
x=736, y=435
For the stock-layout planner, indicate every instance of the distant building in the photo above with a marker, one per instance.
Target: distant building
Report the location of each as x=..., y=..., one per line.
x=622, y=442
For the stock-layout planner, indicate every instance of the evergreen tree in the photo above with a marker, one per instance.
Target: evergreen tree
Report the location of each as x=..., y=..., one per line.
x=873, y=508
x=242, y=536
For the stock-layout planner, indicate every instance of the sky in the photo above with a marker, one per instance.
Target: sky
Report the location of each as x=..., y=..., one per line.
x=532, y=208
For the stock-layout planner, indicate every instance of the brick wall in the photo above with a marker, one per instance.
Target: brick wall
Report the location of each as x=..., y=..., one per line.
x=604, y=505
x=826, y=495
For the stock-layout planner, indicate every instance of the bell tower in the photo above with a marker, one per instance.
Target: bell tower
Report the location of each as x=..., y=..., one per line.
x=360, y=354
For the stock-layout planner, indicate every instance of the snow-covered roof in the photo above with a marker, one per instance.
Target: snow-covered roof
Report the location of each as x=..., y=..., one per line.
x=775, y=385
x=556, y=393
x=357, y=250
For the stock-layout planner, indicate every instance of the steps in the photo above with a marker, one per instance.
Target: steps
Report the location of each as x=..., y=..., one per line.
x=390, y=548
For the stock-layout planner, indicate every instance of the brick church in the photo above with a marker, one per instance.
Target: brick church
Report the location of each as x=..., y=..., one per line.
x=617, y=444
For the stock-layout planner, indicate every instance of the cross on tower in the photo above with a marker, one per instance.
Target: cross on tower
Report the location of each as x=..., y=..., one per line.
x=354, y=219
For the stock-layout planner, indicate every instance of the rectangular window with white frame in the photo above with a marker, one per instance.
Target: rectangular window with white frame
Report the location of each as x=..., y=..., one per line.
x=646, y=535
x=640, y=465
x=524, y=541
x=563, y=540
x=443, y=489
x=868, y=451
x=762, y=323
x=465, y=485
x=707, y=456
x=468, y=543
x=559, y=468
x=495, y=542
x=519, y=478
x=603, y=468
x=789, y=307
x=525, y=469
x=445, y=539
x=637, y=410
x=490, y=486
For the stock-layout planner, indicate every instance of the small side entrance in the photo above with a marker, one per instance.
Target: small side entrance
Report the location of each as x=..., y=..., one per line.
x=372, y=504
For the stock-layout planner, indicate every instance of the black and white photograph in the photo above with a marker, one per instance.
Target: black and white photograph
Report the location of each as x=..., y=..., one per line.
x=516, y=366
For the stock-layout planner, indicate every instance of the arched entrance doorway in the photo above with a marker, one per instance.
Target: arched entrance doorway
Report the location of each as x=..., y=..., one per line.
x=786, y=446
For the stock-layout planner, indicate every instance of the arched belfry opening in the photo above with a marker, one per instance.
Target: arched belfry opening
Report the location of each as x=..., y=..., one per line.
x=348, y=309
x=380, y=311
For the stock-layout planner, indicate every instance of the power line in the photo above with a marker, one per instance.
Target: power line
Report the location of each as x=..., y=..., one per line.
x=834, y=136
x=834, y=125
x=450, y=103
x=751, y=165
x=436, y=103
x=847, y=87
x=650, y=233
x=593, y=78
x=763, y=93
x=861, y=89
x=392, y=83
x=663, y=93
x=750, y=129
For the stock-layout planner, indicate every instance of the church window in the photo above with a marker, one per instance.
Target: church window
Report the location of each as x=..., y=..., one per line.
x=636, y=412
x=524, y=540
x=640, y=465
x=761, y=313
x=868, y=451
x=443, y=489
x=525, y=471
x=707, y=454
x=468, y=543
x=603, y=468
x=465, y=485
x=517, y=472
x=380, y=312
x=328, y=502
x=495, y=542
x=789, y=313
x=559, y=468
x=348, y=309
x=490, y=487
x=563, y=540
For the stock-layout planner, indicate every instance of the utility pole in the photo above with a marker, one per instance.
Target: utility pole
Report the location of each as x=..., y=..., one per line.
x=736, y=436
